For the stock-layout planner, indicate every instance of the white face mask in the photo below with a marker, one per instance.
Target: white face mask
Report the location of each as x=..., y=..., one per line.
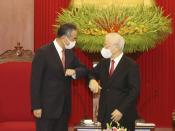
x=106, y=53
x=71, y=44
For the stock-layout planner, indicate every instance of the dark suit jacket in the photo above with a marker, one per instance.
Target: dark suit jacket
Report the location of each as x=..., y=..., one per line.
x=50, y=89
x=119, y=91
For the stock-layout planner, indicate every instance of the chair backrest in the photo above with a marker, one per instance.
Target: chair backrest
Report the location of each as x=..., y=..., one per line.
x=15, y=91
x=15, y=68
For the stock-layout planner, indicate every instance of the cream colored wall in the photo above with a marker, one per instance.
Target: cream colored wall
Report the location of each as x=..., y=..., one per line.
x=16, y=24
x=111, y=2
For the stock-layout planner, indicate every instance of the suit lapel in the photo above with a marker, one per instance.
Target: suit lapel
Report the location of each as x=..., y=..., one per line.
x=106, y=69
x=67, y=59
x=56, y=58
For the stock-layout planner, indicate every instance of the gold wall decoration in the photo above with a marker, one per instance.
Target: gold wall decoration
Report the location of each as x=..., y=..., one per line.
x=107, y=3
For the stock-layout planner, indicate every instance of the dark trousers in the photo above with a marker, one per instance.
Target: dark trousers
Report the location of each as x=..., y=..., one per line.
x=60, y=124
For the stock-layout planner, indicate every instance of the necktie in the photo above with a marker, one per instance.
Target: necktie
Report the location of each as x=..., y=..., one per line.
x=63, y=58
x=111, y=68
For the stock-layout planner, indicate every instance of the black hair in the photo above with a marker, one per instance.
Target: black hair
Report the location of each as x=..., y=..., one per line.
x=65, y=29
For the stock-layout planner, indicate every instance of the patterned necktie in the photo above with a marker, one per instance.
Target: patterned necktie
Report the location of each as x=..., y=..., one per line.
x=63, y=58
x=112, y=68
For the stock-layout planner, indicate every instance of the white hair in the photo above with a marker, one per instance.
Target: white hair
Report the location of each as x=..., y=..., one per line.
x=116, y=40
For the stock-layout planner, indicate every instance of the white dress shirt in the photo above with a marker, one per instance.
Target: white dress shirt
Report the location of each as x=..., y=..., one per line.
x=59, y=50
x=117, y=60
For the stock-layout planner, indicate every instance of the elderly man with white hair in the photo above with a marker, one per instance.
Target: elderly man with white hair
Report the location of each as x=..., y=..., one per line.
x=117, y=76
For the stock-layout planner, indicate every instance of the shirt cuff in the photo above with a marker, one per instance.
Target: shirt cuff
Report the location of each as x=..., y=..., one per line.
x=74, y=76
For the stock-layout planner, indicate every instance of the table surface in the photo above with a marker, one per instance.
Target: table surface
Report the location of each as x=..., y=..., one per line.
x=81, y=126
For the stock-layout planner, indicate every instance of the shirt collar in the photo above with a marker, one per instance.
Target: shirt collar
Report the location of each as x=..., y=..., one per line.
x=57, y=46
x=118, y=58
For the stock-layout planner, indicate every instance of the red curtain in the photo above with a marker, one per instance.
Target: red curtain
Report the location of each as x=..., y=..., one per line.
x=45, y=14
x=157, y=99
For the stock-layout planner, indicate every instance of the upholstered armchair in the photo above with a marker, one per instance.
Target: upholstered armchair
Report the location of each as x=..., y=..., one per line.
x=15, y=113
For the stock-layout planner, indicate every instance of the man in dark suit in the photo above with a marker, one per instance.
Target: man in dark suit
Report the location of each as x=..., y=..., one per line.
x=119, y=82
x=53, y=67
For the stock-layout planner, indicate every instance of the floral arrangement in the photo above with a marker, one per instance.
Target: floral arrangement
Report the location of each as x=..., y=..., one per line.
x=118, y=128
x=141, y=26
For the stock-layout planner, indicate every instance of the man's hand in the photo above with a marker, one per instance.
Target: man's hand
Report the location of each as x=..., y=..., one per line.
x=94, y=86
x=37, y=113
x=116, y=115
x=70, y=72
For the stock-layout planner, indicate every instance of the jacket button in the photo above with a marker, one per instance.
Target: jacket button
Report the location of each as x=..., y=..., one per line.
x=107, y=89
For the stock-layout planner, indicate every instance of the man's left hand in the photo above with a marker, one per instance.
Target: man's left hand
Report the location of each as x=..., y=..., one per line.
x=70, y=72
x=116, y=115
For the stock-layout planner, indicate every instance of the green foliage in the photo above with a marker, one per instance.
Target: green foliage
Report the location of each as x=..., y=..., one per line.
x=142, y=27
